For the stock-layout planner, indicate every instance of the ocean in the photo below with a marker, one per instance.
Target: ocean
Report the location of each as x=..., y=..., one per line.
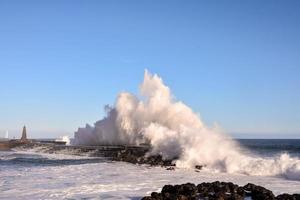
x=272, y=147
x=35, y=175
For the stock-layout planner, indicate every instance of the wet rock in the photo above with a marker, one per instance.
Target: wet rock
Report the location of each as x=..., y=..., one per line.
x=139, y=157
x=147, y=198
x=168, y=189
x=170, y=168
x=285, y=197
x=182, y=197
x=199, y=167
x=258, y=192
x=188, y=189
x=156, y=196
x=218, y=191
x=235, y=197
x=288, y=197
x=297, y=196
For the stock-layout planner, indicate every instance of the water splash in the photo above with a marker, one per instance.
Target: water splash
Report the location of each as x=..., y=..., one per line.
x=175, y=131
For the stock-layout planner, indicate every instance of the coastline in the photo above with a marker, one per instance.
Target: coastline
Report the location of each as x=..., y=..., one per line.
x=134, y=155
x=138, y=174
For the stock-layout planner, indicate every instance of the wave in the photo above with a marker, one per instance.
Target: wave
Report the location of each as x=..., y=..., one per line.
x=40, y=160
x=292, y=145
x=175, y=131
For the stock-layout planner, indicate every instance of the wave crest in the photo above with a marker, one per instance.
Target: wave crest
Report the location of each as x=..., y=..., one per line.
x=175, y=131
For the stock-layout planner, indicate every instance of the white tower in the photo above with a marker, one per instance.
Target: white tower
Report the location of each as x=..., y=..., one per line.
x=24, y=135
x=6, y=135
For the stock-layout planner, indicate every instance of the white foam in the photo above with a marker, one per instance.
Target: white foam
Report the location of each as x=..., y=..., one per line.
x=113, y=181
x=65, y=139
x=175, y=131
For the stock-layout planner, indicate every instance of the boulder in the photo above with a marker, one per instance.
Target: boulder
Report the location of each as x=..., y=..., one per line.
x=258, y=192
x=217, y=191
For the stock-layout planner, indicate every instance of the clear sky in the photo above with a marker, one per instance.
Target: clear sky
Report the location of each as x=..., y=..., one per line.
x=236, y=63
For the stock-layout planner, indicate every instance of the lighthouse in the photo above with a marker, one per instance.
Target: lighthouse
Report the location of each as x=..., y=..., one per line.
x=24, y=135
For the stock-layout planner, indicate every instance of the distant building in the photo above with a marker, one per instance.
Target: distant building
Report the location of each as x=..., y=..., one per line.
x=6, y=144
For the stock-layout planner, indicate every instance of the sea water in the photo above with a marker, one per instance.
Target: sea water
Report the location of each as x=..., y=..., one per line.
x=35, y=175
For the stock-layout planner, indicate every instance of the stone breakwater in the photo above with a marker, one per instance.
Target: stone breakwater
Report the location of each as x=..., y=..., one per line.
x=217, y=191
x=139, y=157
x=131, y=154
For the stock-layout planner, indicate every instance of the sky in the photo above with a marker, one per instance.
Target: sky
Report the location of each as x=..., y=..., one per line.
x=236, y=63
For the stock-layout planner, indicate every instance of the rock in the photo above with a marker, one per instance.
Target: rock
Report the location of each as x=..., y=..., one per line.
x=235, y=197
x=240, y=191
x=288, y=197
x=188, y=189
x=170, y=168
x=203, y=189
x=217, y=191
x=156, y=196
x=199, y=167
x=285, y=197
x=182, y=197
x=258, y=193
x=233, y=187
x=136, y=156
x=147, y=198
x=297, y=196
x=220, y=190
x=168, y=189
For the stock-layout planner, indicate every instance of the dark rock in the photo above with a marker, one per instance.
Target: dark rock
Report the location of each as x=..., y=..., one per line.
x=170, y=168
x=258, y=192
x=188, y=189
x=156, y=196
x=168, y=189
x=297, y=196
x=217, y=191
x=233, y=187
x=182, y=197
x=139, y=157
x=169, y=196
x=285, y=197
x=199, y=167
x=203, y=189
x=147, y=198
x=220, y=195
x=240, y=191
x=235, y=197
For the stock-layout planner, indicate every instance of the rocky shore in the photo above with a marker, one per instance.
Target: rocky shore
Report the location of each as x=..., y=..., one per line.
x=131, y=154
x=139, y=157
x=217, y=191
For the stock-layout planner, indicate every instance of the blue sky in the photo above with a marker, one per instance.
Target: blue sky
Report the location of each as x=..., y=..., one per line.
x=236, y=63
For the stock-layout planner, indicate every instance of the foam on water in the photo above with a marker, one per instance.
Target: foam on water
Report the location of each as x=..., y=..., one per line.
x=110, y=180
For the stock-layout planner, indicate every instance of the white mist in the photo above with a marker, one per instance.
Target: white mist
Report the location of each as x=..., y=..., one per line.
x=175, y=131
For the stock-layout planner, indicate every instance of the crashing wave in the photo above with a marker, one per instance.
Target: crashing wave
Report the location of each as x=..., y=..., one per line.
x=175, y=131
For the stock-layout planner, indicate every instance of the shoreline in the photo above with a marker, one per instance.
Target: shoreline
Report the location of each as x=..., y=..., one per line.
x=137, y=155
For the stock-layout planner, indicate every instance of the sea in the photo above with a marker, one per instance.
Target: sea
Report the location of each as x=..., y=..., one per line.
x=36, y=175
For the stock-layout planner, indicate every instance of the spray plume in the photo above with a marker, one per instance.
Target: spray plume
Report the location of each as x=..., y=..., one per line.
x=175, y=131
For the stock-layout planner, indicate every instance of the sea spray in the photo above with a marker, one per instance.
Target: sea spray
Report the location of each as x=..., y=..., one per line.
x=65, y=139
x=175, y=131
